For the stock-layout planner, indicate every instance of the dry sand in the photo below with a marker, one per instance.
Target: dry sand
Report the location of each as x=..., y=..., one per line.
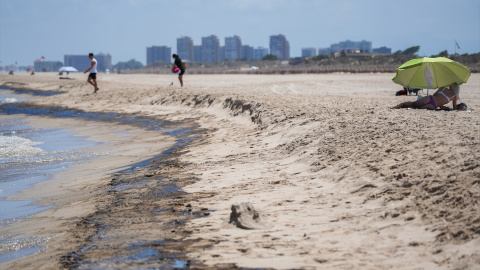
x=346, y=181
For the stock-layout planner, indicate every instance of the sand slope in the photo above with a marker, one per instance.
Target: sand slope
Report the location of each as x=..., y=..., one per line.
x=346, y=181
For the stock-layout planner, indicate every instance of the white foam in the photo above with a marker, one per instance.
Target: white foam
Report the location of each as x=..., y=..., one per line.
x=8, y=100
x=14, y=147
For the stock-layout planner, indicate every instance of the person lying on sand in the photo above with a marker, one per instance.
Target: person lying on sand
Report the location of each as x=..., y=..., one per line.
x=441, y=97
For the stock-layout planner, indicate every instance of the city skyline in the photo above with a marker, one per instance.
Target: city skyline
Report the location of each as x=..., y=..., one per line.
x=212, y=51
x=51, y=28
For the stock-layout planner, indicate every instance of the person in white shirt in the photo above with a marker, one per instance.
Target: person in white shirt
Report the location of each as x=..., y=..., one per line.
x=92, y=77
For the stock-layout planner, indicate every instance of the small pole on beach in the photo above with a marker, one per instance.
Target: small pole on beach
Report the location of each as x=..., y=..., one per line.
x=428, y=75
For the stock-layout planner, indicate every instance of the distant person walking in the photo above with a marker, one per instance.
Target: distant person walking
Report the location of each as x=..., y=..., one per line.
x=92, y=77
x=178, y=63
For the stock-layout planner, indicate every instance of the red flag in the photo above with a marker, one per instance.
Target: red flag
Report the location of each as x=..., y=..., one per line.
x=43, y=57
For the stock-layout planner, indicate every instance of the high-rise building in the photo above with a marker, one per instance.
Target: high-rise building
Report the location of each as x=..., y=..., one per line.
x=197, y=53
x=185, y=49
x=104, y=61
x=352, y=46
x=365, y=46
x=309, y=52
x=233, y=48
x=159, y=54
x=383, y=50
x=247, y=52
x=324, y=51
x=80, y=62
x=259, y=53
x=210, y=49
x=280, y=47
x=45, y=66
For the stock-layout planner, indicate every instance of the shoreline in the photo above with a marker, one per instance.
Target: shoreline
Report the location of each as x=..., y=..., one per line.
x=72, y=193
x=345, y=180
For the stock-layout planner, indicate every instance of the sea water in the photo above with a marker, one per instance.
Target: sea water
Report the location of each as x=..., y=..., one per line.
x=28, y=156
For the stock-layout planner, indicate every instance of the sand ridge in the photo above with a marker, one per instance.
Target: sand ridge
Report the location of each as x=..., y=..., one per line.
x=347, y=181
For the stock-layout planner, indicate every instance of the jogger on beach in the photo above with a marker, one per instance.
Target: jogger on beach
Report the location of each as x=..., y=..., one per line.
x=179, y=64
x=92, y=77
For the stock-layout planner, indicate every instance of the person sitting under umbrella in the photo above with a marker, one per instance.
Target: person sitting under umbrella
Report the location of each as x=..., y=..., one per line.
x=441, y=97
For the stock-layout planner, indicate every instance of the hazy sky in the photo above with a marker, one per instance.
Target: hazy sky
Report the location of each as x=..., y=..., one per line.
x=30, y=29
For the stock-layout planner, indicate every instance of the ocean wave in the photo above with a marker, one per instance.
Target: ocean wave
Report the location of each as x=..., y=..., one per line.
x=14, y=146
x=8, y=100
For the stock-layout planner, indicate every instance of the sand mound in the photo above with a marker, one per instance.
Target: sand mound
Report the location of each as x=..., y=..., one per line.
x=246, y=216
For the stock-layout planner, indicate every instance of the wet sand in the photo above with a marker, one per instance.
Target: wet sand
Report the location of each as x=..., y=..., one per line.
x=74, y=193
x=346, y=181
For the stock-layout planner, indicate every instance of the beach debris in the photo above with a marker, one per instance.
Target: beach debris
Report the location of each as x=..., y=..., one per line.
x=462, y=107
x=246, y=216
x=321, y=260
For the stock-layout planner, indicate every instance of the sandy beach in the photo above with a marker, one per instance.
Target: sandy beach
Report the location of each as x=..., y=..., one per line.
x=344, y=180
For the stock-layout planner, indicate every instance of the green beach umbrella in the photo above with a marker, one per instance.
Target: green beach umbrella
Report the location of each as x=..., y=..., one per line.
x=431, y=73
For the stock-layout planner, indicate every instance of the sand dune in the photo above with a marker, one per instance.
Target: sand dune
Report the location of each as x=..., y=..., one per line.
x=346, y=181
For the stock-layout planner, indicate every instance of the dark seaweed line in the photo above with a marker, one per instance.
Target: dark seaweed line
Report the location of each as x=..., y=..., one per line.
x=162, y=191
x=32, y=92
